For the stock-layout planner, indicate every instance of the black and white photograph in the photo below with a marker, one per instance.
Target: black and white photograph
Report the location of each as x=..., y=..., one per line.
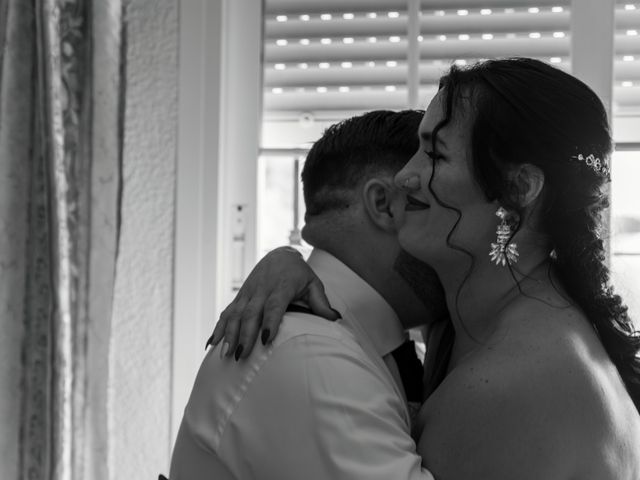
x=320, y=239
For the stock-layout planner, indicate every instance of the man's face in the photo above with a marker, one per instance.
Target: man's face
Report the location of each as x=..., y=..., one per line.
x=423, y=293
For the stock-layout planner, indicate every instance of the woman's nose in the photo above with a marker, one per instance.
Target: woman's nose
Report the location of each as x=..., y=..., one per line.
x=407, y=180
x=411, y=182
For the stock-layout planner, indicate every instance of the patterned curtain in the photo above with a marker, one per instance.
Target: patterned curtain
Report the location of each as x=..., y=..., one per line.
x=60, y=145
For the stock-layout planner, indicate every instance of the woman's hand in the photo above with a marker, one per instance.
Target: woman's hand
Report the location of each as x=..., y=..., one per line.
x=281, y=277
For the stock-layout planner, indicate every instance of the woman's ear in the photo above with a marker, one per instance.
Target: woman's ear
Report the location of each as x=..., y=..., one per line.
x=528, y=182
x=377, y=199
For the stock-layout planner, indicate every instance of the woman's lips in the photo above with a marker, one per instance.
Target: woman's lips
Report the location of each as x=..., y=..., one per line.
x=415, y=204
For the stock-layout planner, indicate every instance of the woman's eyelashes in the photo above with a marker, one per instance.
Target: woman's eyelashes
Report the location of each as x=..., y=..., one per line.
x=434, y=156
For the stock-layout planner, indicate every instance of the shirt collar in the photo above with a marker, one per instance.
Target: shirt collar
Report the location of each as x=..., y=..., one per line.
x=346, y=290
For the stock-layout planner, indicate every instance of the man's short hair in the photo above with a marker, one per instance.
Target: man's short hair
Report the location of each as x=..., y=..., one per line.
x=355, y=150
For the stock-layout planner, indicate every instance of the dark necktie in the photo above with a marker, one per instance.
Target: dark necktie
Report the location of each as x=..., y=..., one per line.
x=406, y=358
x=411, y=370
x=438, y=358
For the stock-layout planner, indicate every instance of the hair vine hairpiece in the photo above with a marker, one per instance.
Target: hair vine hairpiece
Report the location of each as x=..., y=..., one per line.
x=600, y=167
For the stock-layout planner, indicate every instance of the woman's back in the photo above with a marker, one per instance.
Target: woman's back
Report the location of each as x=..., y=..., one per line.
x=539, y=399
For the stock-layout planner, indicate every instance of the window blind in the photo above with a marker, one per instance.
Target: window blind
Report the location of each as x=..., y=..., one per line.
x=626, y=86
x=353, y=55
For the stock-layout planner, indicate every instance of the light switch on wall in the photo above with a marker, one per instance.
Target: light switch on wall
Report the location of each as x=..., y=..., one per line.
x=238, y=248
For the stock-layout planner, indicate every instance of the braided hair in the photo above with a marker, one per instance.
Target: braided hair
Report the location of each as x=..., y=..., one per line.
x=527, y=111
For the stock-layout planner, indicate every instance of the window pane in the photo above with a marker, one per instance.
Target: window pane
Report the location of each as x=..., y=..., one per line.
x=625, y=229
x=626, y=85
x=474, y=30
x=625, y=203
x=280, y=213
x=342, y=56
x=626, y=278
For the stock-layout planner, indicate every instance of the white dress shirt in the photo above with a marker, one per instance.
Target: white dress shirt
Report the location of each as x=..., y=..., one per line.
x=318, y=403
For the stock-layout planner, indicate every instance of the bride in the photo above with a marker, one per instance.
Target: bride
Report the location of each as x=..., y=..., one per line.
x=504, y=199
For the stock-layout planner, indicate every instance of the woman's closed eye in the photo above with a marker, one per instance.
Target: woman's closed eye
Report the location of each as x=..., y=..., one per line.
x=434, y=156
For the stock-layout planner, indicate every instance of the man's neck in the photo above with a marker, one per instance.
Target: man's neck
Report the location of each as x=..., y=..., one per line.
x=375, y=267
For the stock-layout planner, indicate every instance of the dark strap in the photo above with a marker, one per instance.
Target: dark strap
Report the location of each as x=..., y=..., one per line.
x=299, y=309
x=302, y=309
x=442, y=359
x=409, y=365
x=411, y=370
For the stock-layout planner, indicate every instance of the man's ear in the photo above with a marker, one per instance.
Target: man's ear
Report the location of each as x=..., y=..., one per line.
x=377, y=197
x=528, y=182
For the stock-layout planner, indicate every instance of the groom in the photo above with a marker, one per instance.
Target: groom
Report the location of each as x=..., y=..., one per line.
x=326, y=400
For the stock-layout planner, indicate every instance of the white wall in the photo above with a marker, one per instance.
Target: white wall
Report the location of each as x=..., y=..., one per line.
x=140, y=349
x=220, y=73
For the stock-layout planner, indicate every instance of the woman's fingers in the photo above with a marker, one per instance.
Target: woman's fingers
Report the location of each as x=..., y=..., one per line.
x=279, y=278
x=229, y=314
x=233, y=319
x=318, y=302
x=274, y=310
x=250, y=323
x=218, y=331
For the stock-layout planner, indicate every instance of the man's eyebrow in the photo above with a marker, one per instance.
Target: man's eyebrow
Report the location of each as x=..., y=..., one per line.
x=427, y=137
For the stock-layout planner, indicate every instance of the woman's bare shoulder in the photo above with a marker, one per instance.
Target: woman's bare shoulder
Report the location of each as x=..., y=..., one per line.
x=516, y=408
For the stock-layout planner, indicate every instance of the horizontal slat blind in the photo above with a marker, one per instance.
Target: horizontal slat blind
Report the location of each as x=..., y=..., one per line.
x=351, y=55
x=626, y=87
x=335, y=55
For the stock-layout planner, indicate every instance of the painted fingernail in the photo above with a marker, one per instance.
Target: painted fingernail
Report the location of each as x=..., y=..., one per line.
x=238, y=352
x=209, y=342
x=223, y=350
x=265, y=336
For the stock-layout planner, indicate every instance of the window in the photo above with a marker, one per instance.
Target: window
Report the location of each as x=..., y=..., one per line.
x=281, y=207
x=334, y=60
x=474, y=30
x=329, y=60
x=625, y=199
x=626, y=83
x=625, y=229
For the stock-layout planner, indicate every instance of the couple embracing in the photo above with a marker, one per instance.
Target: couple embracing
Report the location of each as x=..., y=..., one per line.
x=485, y=229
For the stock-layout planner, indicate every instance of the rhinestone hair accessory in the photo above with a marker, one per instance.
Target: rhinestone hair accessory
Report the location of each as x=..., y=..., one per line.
x=600, y=167
x=502, y=252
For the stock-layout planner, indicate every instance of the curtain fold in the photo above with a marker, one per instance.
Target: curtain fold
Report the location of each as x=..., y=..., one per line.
x=16, y=169
x=61, y=145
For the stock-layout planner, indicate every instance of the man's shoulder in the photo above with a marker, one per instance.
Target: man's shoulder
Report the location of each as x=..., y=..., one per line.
x=308, y=354
x=296, y=324
x=300, y=336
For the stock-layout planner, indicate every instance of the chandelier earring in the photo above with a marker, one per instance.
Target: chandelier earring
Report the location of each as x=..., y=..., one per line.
x=503, y=252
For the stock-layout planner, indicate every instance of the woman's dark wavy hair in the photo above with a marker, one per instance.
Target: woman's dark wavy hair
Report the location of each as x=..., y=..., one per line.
x=526, y=111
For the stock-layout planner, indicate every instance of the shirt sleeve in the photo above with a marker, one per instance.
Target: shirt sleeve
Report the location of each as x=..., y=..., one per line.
x=320, y=409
